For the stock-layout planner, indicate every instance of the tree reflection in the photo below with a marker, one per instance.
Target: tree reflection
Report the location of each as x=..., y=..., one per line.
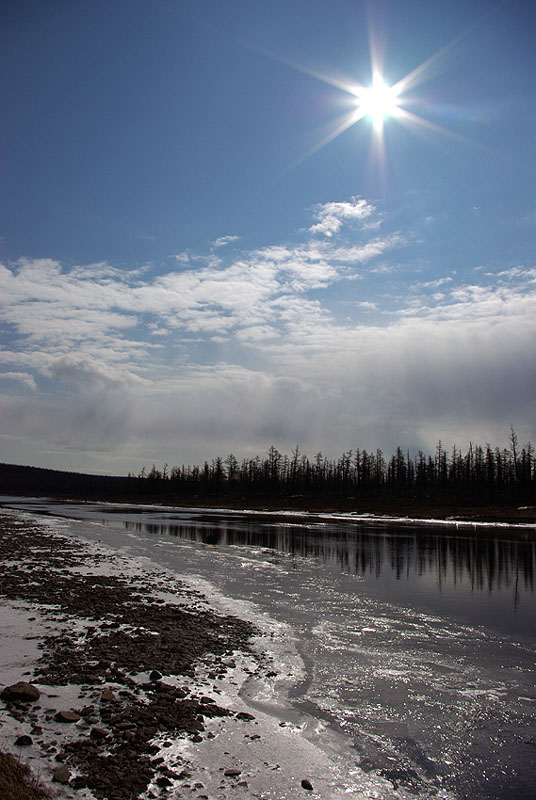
x=484, y=561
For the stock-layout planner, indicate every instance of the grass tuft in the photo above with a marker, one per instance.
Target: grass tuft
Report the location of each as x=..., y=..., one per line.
x=17, y=782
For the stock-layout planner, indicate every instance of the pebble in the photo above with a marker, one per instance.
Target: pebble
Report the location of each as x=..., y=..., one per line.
x=98, y=733
x=243, y=715
x=67, y=716
x=61, y=775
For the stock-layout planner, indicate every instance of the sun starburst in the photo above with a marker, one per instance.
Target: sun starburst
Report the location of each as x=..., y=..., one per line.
x=378, y=102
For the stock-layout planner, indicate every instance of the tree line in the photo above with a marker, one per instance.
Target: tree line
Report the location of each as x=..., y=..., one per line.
x=480, y=474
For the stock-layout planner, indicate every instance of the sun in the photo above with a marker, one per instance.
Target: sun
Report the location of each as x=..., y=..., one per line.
x=378, y=102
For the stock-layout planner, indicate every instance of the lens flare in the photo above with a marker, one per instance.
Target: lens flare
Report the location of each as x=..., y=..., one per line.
x=378, y=102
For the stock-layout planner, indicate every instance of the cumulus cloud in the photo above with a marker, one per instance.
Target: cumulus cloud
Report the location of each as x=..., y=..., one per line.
x=135, y=366
x=331, y=216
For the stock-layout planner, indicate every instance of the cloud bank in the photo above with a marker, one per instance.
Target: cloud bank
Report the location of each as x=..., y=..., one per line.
x=321, y=341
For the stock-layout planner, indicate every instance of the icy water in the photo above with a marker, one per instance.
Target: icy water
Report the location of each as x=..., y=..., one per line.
x=419, y=642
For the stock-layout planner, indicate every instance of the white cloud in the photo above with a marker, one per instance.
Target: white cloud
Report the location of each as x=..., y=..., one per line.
x=435, y=284
x=331, y=216
x=237, y=355
x=221, y=241
x=88, y=371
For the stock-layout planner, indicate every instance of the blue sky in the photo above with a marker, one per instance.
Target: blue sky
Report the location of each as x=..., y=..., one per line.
x=193, y=263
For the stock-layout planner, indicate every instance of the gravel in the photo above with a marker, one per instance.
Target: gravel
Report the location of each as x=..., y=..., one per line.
x=122, y=651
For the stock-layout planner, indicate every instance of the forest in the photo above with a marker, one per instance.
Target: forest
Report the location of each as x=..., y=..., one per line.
x=480, y=475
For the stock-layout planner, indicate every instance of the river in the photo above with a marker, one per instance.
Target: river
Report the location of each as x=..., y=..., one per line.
x=418, y=640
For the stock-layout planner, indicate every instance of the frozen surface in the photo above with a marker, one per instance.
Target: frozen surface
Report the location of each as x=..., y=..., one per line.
x=404, y=670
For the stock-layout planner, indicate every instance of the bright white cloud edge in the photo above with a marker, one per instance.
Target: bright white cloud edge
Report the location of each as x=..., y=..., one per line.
x=116, y=368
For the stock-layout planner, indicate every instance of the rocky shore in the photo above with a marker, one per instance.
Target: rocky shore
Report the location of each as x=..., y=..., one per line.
x=107, y=677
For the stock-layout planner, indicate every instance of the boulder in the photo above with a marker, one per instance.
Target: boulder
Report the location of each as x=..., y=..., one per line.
x=20, y=692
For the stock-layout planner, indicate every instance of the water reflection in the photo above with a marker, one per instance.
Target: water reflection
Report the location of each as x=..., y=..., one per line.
x=482, y=562
x=482, y=576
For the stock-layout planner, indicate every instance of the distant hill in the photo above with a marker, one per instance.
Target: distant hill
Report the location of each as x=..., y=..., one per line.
x=15, y=479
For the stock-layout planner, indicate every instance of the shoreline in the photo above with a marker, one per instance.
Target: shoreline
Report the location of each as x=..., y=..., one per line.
x=521, y=519
x=145, y=690
x=107, y=645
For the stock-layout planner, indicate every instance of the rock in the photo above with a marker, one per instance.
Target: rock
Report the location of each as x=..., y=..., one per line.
x=21, y=692
x=61, y=775
x=23, y=741
x=169, y=773
x=108, y=696
x=92, y=678
x=67, y=716
x=232, y=773
x=206, y=699
x=243, y=715
x=98, y=733
x=307, y=785
x=155, y=675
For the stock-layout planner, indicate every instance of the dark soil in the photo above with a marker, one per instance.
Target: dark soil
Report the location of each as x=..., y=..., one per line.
x=128, y=631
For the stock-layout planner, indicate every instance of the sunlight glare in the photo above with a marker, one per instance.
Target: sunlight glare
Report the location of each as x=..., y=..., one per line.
x=378, y=102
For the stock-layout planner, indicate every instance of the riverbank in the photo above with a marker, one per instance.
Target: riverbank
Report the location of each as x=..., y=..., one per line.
x=470, y=505
x=298, y=511
x=413, y=510
x=106, y=643
x=138, y=683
